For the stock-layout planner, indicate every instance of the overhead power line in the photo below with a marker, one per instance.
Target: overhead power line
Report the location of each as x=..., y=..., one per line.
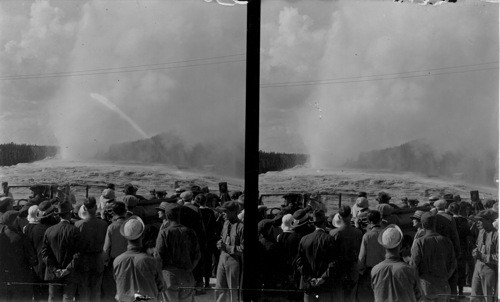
x=339, y=80
x=327, y=81
x=378, y=77
x=125, y=69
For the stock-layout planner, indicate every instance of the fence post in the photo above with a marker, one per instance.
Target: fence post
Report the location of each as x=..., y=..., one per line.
x=87, y=187
x=340, y=200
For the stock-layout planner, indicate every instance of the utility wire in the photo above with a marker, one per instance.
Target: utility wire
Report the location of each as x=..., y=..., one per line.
x=85, y=71
x=375, y=75
x=357, y=80
x=78, y=74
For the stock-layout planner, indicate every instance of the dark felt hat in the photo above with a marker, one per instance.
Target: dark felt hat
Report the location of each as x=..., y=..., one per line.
x=230, y=206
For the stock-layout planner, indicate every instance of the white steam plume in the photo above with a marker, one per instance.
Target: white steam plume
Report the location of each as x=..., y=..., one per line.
x=103, y=100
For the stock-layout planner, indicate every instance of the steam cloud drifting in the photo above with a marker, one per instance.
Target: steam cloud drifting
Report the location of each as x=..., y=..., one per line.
x=300, y=42
x=454, y=111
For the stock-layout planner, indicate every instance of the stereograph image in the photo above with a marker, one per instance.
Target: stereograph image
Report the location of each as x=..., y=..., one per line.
x=260, y=150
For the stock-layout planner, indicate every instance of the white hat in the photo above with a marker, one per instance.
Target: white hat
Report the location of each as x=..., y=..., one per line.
x=390, y=237
x=337, y=221
x=32, y=214
x=132, y=228
x=286, y=222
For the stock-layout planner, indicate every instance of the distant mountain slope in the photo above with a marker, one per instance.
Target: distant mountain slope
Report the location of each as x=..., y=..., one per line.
x=419, y=156
x=168, y=148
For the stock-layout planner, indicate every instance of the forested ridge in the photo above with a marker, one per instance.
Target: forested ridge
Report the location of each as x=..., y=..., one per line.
x=12, y=154
x=273, y=161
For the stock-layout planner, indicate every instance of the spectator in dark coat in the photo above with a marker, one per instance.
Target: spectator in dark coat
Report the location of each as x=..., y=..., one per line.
x=60, y=252
x=316, y=262
x=371, y=253
x=210, y=225
x=190, y=217
x=348, y=241
x=114, y=245
x=92, y=235
x=179, y=251
x=272, y=265
x=35, y=231
x=5, y=204
x=289, y=241
x=446, y=226
x=463, y=234
x=17, y=257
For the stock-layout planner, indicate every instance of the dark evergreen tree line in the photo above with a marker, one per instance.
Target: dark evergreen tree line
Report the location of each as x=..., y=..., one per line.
x=12, y=154
x=272, y=161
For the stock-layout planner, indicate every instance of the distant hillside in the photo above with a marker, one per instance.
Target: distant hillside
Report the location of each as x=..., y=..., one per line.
x=13, y=154
x=168, y=148
x=419, y=156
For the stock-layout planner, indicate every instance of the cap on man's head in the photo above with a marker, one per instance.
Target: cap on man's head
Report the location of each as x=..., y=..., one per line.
x=318, y=217
x=488, y=215
x=385, y=209
x=90, y=203
x=417, y=215
x=119, y=208
x=440, y=204
x=230, y=206
x=186, y=195
x=129, y=189
x=45, y=209
x=132, y=228
x=32, y=212
x=286, y=222
x=337, y=221
x=168, y=207
x=433, y=198
x=344, y=211
x=428, y=220
x=107, y=195
x=64, y=207
x=390, y=237
x=300, y=218
x=9, y=217
x=383, y=197
x=130, y=201
x=362, y=202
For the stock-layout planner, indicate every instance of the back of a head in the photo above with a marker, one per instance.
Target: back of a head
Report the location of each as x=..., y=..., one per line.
x=374, y=216
x=454, y=208
x=489, y=203
x=200, y=199
x=428, y=221
x=90, y=204
x=345, y=211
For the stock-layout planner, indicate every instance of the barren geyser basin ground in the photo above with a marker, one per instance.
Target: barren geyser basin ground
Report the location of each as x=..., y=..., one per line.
x=299, y=179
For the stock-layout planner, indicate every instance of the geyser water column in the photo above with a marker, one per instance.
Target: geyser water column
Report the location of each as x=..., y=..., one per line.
x=108, y=104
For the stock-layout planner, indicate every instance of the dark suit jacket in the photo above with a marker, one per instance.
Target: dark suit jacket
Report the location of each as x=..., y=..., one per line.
x=16, y=255
x=60, y=248
x=315, y=258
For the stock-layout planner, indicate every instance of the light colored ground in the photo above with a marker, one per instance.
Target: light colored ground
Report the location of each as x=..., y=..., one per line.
x=301, y=179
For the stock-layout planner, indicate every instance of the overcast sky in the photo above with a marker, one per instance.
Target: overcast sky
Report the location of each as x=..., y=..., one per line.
x=337, y=77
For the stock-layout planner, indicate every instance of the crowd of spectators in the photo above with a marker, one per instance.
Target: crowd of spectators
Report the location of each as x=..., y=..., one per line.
x=168, y=247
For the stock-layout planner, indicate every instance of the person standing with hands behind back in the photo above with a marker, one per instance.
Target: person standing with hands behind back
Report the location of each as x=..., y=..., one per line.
x=231, y=247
